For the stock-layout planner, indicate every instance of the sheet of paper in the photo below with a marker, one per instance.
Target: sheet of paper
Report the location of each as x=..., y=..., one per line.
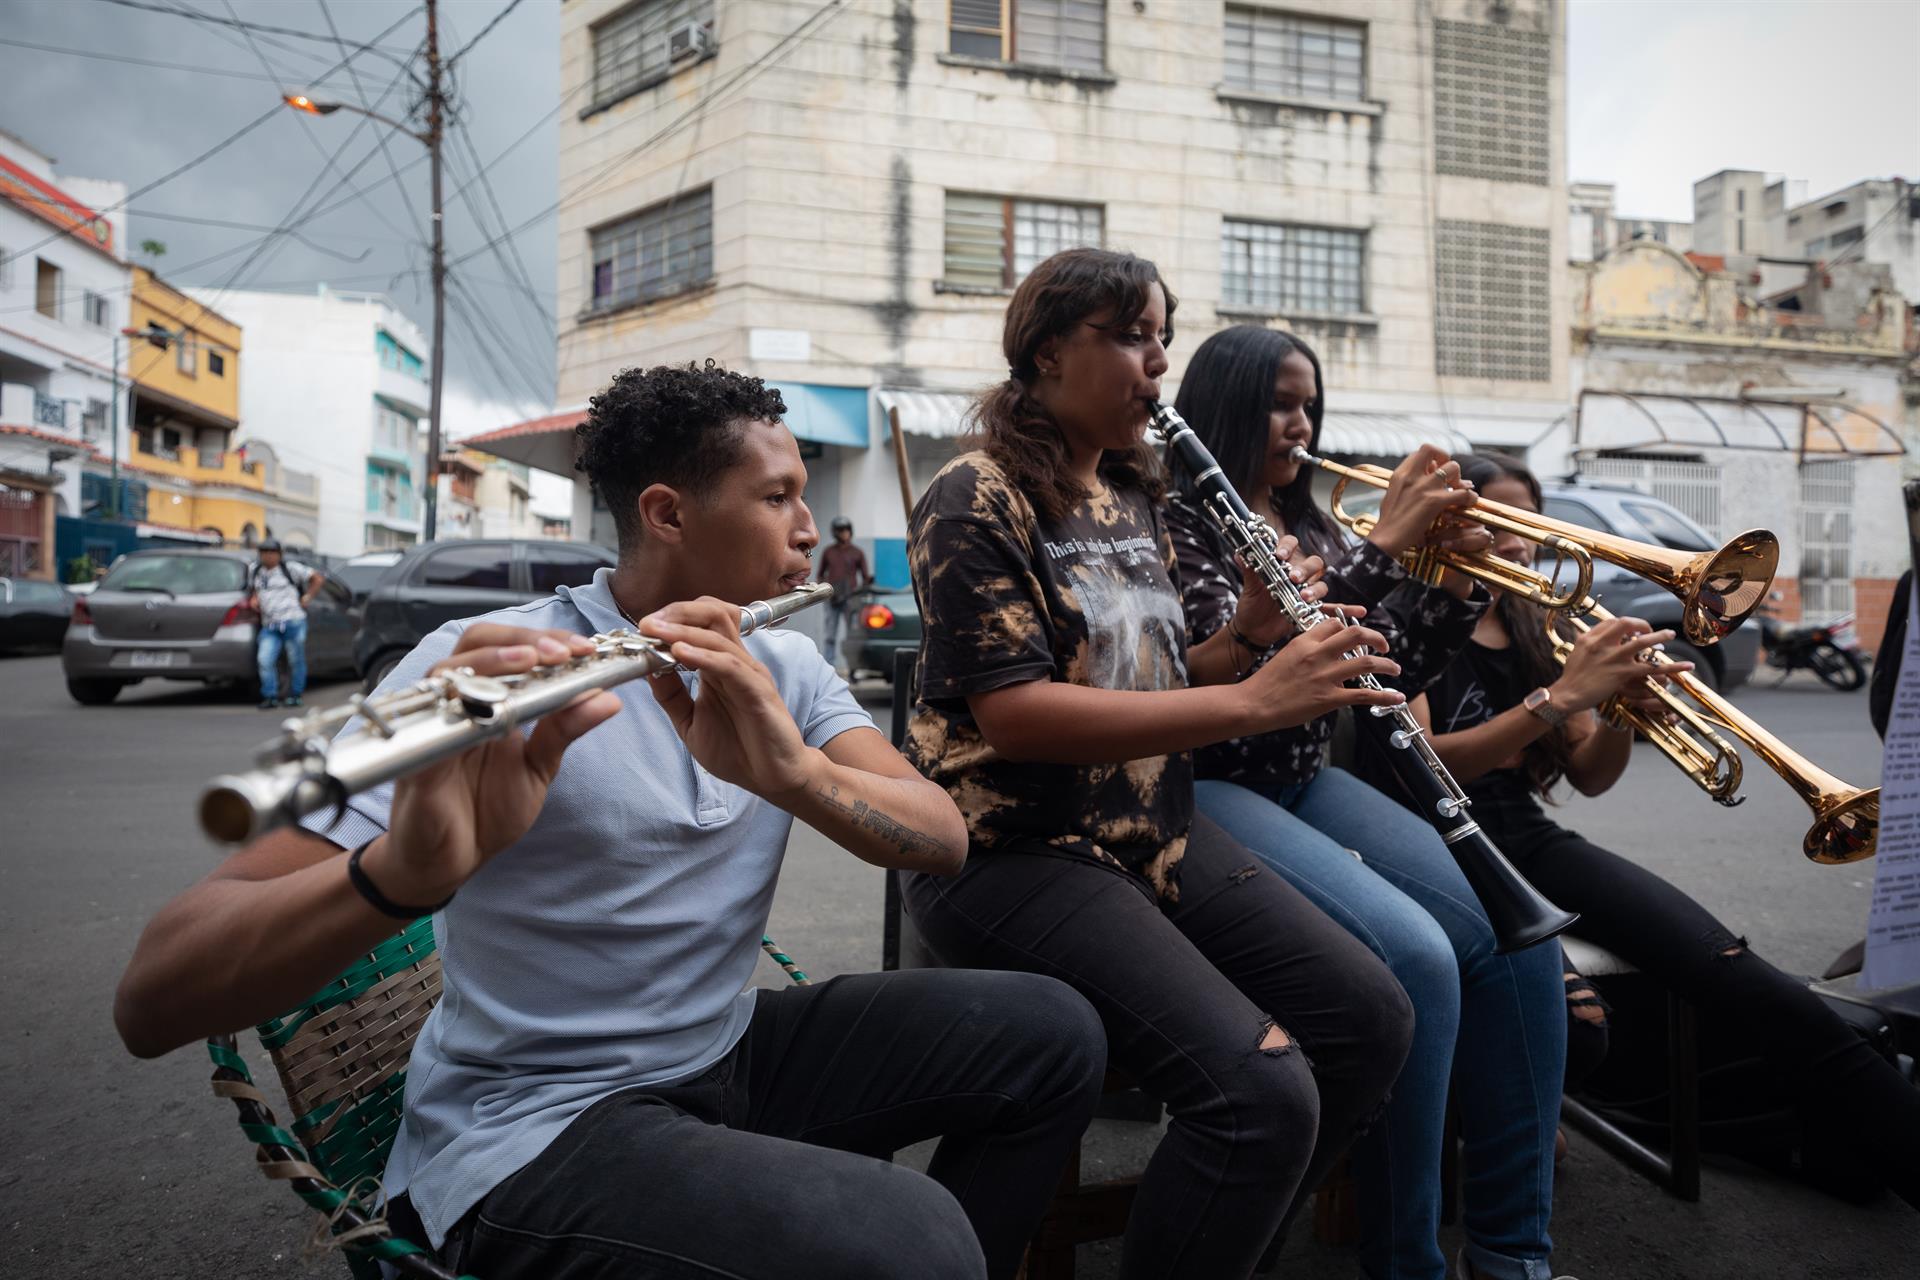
x=1893, y=920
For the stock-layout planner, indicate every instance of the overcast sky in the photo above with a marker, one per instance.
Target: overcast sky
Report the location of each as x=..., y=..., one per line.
x=1660, y=92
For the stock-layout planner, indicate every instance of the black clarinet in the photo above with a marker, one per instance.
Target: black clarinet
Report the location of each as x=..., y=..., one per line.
x=1520, y=915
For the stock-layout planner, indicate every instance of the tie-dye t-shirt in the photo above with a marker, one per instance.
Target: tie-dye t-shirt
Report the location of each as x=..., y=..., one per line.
x=1007, y=596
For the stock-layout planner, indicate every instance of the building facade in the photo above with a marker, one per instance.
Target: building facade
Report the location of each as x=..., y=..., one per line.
x=1747, y=416
x=866, y=185
x=336, y=386
x=482, y=496
x=64, y=290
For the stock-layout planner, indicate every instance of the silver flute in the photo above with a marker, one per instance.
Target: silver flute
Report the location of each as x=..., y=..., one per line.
x=306, y=768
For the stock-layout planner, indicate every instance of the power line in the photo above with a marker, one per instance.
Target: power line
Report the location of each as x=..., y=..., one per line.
x=143, y=62
x=506, y=355
x=238, y=24
x=779, y=49
x=518, y=269
x=413, y=214
x=209, y=153
x=511, y=6
x=252, y=226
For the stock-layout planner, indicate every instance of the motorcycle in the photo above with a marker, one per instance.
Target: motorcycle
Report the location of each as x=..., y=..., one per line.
x=1831, y=650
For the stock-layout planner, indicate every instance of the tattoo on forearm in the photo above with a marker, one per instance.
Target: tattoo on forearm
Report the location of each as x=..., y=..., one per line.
x=904, y=839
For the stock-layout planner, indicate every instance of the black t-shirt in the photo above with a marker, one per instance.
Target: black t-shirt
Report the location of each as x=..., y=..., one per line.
x=1479, y=685
x=1008, y=596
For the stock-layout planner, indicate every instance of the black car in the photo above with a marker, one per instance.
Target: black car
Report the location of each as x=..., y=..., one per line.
x=437, y=582
x=33, y=614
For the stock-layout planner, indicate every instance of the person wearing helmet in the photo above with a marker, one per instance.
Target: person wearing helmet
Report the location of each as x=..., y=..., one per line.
x=844, y=566
x=279, y=590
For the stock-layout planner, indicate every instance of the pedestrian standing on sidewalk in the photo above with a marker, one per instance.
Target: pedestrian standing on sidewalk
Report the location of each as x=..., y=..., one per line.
x=845, y=566
x=278, y=590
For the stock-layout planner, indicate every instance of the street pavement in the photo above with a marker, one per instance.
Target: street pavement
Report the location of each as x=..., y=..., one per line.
x=114, y=1167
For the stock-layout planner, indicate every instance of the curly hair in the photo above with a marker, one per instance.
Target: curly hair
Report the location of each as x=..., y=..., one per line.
x=1016, y=431
x=677, y=425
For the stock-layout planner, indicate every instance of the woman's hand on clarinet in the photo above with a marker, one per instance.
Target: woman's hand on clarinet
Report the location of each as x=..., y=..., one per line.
x=1426, y=488
x=1610, y=659
x=1309, y=678
x=738, y=728
x=448, y=819
x=1257, y=616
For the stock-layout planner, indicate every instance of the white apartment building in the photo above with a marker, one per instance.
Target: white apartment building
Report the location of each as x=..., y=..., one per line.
x=1875, y=222
x=482, y=496
x=64, y=290
x=336, y=383
x=841, y=201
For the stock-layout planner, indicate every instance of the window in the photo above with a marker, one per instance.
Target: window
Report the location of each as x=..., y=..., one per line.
x=93, y=309
x=1265, y=266
x=1826, y=540
x=185, y=355
x=216, y=364
x=656, y=253
x=1739, y=202
x=1068, y=34
x=993, y=241
x=1846, y=235
x=550, y=567
x=181, y=575
x=93, y=421
x=46, y=288
x=6, y=269
x=1295, y=57
x=1491, y=106
x=1493, y=317
x=482, y=567
x=632, y=49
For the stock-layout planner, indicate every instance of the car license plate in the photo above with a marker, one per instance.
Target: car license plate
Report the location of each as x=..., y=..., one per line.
x=151, y=658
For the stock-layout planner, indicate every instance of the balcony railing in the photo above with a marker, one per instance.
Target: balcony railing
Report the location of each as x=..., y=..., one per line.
x=48, y=412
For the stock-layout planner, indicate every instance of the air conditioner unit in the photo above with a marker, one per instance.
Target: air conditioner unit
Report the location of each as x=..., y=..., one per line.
x=692, y=40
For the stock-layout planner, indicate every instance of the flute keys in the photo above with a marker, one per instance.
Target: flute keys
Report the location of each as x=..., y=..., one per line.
x=479, y=695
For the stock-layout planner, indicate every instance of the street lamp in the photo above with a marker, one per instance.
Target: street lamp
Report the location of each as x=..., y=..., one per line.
x=431, y=137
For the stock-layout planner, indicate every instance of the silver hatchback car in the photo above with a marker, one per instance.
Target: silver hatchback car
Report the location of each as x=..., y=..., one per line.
x=183, y=615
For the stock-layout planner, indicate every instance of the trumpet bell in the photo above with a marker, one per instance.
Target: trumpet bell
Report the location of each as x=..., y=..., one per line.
x=1723, y=588
x=1846, y=832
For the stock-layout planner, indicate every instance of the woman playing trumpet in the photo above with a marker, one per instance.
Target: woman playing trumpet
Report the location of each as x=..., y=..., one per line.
x=1252, y=395
x=1510, y=723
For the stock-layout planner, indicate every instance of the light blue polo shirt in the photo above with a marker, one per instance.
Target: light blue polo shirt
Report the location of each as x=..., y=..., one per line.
x=612, y=946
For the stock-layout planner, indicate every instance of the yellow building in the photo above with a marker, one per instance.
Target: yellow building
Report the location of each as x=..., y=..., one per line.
x=184, y=411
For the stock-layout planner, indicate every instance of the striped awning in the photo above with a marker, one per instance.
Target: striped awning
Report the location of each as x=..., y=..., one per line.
x=939, y=415
x=1384, y=435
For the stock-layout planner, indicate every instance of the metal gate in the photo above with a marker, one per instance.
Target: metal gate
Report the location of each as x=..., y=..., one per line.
x=1826, y=540
x=20, y=549
x=1693, y=487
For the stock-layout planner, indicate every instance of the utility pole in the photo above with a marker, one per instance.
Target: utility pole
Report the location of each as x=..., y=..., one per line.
x=435, y=130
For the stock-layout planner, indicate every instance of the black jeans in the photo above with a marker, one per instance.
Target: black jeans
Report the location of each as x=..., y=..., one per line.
x=774, y=1163
x=1839, y=1082
x=1187, y=992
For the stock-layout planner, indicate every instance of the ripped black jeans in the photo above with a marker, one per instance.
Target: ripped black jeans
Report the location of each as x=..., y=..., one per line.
x=1189, y=993
x=1840, y=1083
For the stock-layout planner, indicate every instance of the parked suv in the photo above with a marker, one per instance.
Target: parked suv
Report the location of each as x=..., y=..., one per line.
x=437, y=582
x=183, y=615
x=1632, y=514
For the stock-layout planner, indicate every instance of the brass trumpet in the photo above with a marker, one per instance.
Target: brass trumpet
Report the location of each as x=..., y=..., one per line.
x=1717, y=589
x=1846, y=818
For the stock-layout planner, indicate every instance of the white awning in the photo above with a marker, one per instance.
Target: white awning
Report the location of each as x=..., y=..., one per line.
x=940, y=415
x=1385, y=435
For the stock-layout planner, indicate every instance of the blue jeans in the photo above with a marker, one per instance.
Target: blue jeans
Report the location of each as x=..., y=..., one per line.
x=275, y=636
x=1494, y=1025
x=836, y=627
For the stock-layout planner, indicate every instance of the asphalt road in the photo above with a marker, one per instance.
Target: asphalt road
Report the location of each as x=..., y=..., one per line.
x=113, y=1167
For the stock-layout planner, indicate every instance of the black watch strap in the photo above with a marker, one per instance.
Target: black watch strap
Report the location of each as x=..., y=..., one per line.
x=364, y=886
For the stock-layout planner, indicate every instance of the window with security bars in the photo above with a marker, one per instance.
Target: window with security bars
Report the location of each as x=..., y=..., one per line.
x=1492, y=112
x=1266, y=266
x=633, y=48
x=1294, y=56
x=1826, y=540
x=1048, y=33
x=1493, y=313
x=656, y=253
x=993, y=241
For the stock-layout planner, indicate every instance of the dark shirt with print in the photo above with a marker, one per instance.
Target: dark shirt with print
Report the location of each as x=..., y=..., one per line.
x=1008, y=596
x=1479, y=685
x=1424, y=627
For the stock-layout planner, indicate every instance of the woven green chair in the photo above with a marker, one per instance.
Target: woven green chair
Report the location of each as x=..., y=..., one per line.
x=342, y=1060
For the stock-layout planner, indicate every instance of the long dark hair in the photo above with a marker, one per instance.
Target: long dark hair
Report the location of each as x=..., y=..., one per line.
x=1545, y=758
x=1016, y=431
x=1227, y=398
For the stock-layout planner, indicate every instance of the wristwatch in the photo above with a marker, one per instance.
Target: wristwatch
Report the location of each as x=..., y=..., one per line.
x=1540, y=703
